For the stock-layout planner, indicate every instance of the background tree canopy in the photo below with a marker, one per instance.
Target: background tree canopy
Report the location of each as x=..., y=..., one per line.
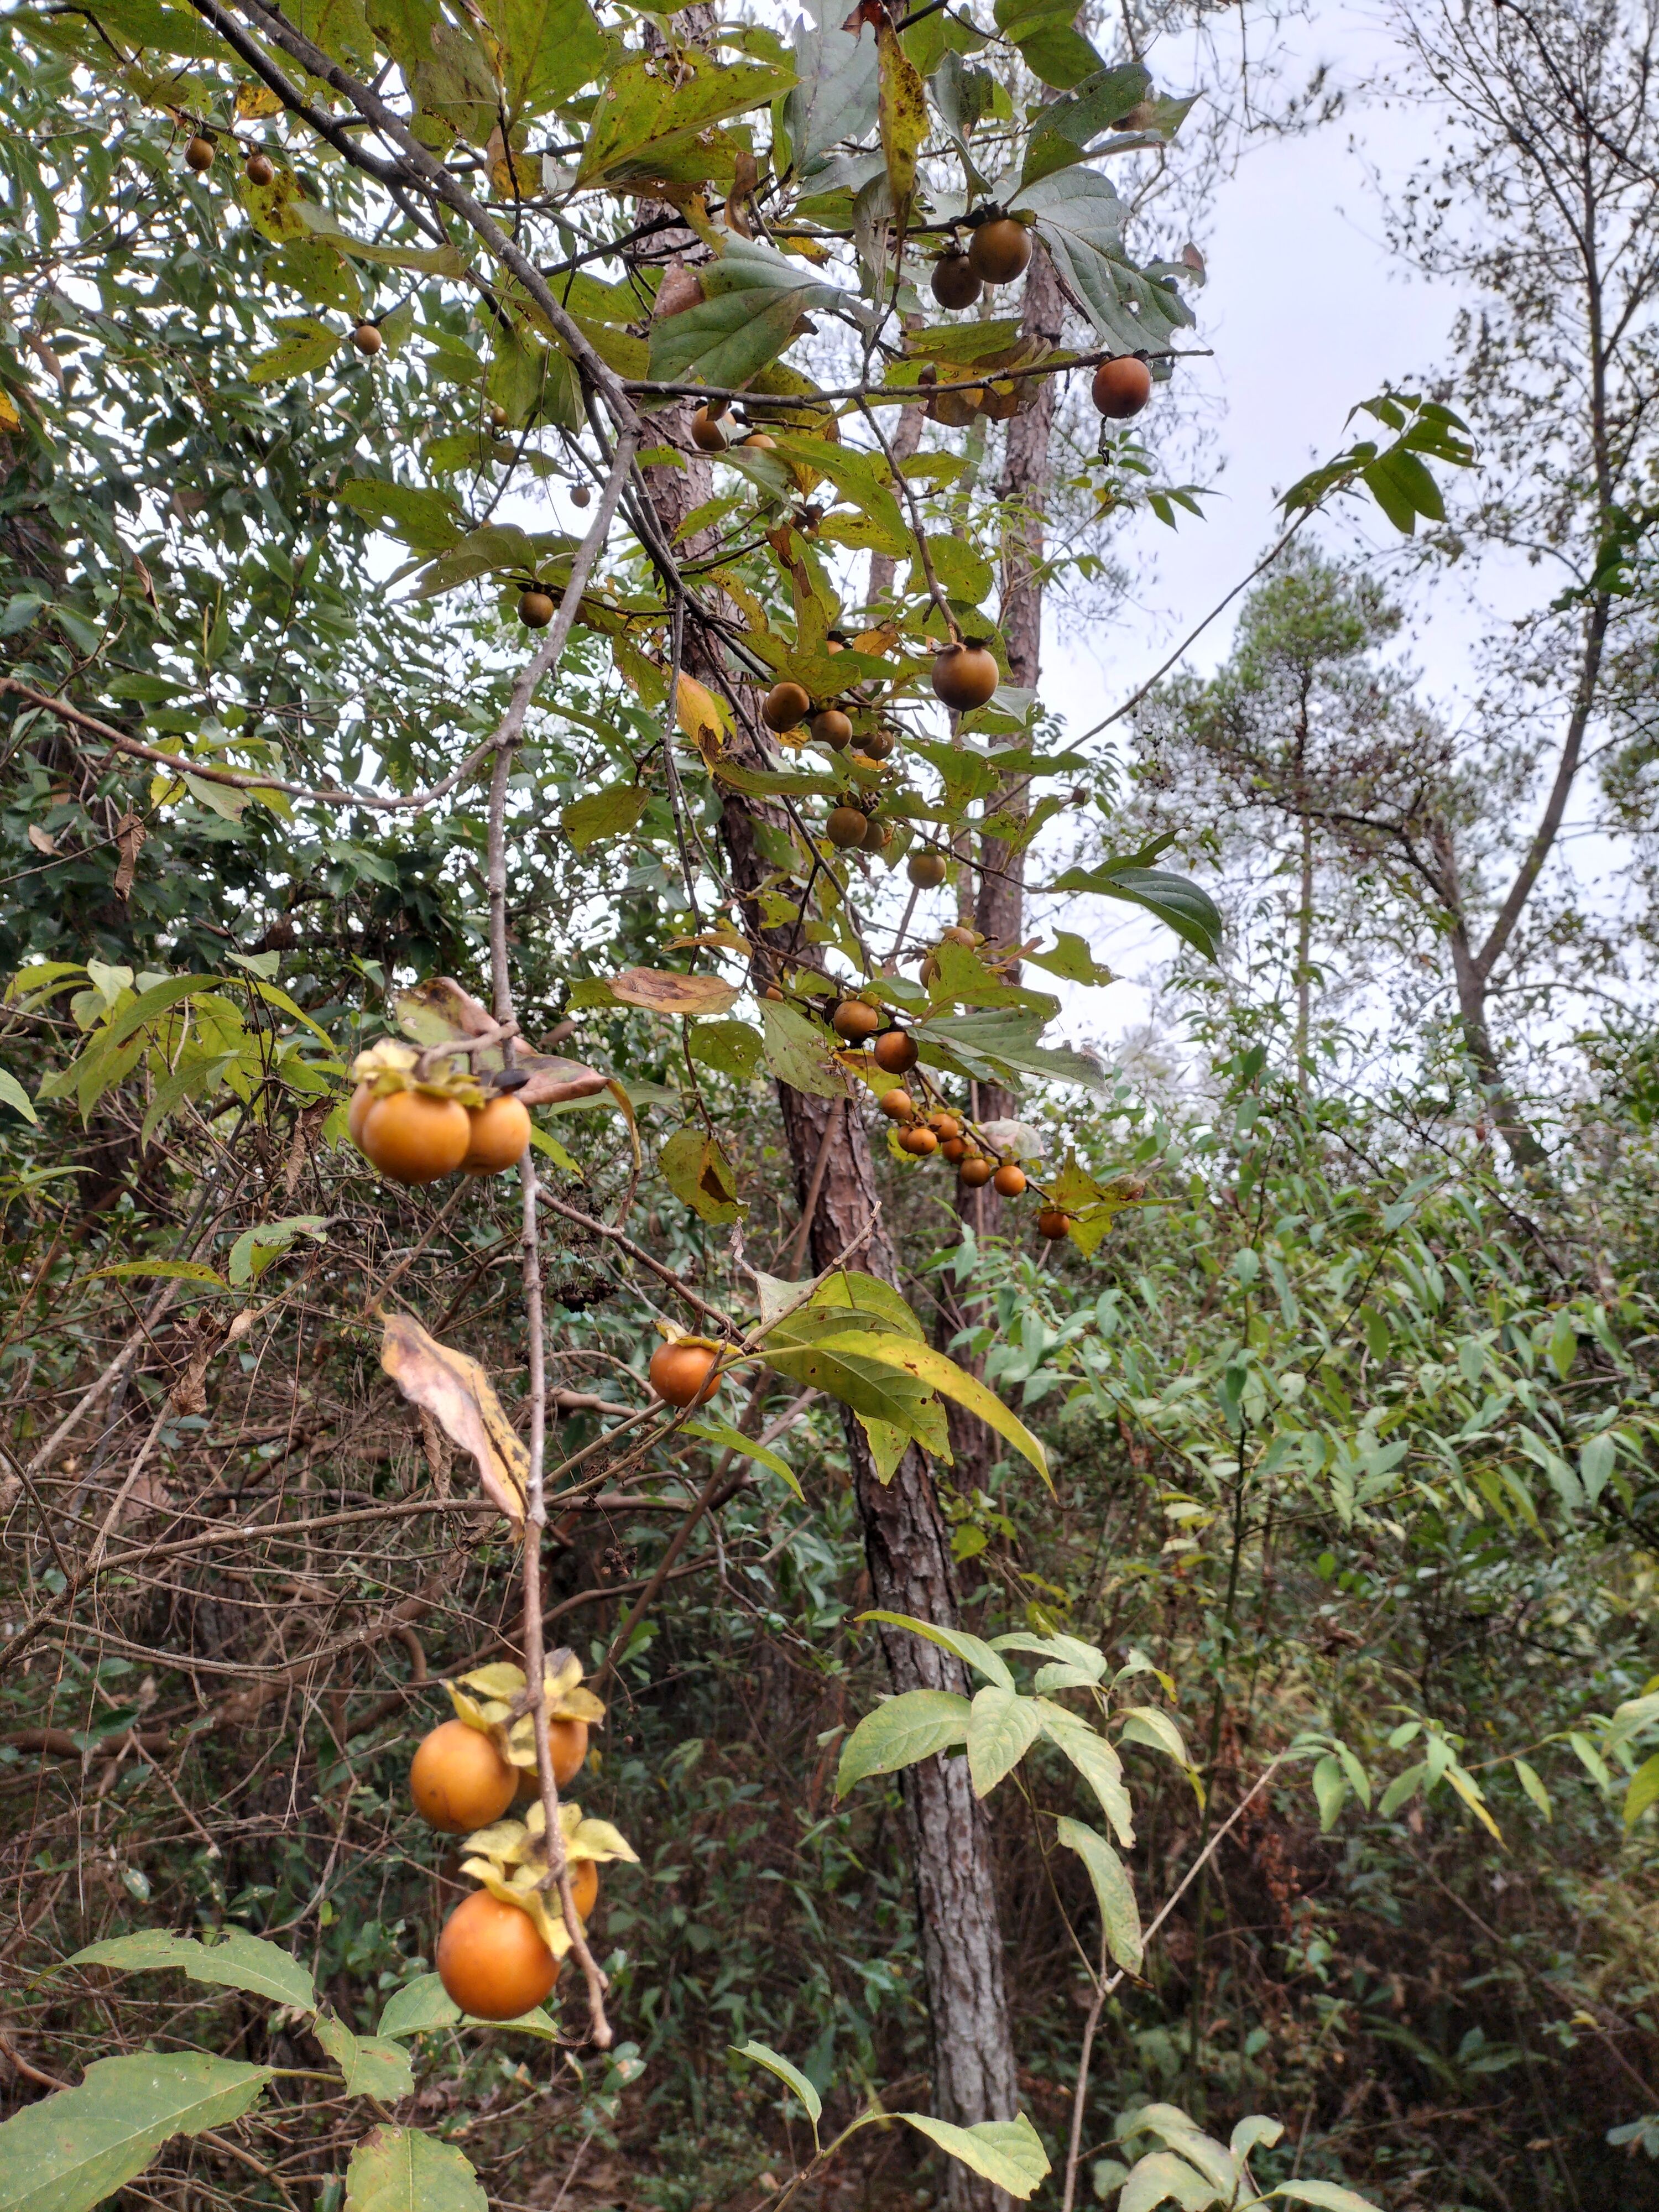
x=524, y=532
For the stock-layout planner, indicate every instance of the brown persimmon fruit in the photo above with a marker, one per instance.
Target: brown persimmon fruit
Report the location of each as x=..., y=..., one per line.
x=707, y=434
x=1009, y=1179
x=954, y=1148
x=199, y=156
x=460, y=1781
x=491, y=1960
x=847, y=829
x=367, y=338
x=877, y=745
x=759, y=437
x=785, y=705
x=897, y=1104
x=1051, y=1223
x=832, y=728
x=498, y=417
x=895, y=1052
x=927, y=871
x=964, y=677
x=535, y=609
x=498, y=1134
x=959, y=933
x=944, y=1125
x=976, y=1171
x=414, y=1137
x=999, y=250
x=260, y=169
x=683, y=1374
x=956, y=283
x=1122, y=387
x=581, y=495
x=920, y=1140
x=855, y=1021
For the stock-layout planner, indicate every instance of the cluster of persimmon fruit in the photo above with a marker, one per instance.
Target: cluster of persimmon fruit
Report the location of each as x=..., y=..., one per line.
x=259, y=169
x=494, y=1958
x=416, y=1128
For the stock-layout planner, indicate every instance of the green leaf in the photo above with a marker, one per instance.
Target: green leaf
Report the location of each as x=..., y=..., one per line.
x=1070, y=957
x=427, y=521
x=854, y=476
x=1079, y=218
x=840, y=1365
x=1161, y=2175
x=731, y=1048
x=1007, y=2152
x=1190, y=912
x=695, y=1167
x=163, y=30
x=1120, y=1916
x=1527, y=1775
x=446, y=70
x=936, y=1371
x=237, y=1961
x=1095, y=1760
x=1329, y=2196
x=12, y=1094
x=1402, y=1787
x=1049, y=45
x=610, y=812
x=421, y=2004
x=179, y=1271
x=900, y=1732
x=1002, y=1727
x=549, y=49
x=1004, y=1043
x=713, y=1430
x=308, y=345
x=753, y=297
x=901, y=113
x=972, y=1651
x=798, y=1053
x=652, y=124
x=791, y=2077
x=400, y=2170
x=371, y=2067
x=1330, y=1789
x=846, y=1292
x=966, y=573
x=68, y=2152
x=835, y=90
x=256, y=1248
x=1643, y=1790
x=1065, y=128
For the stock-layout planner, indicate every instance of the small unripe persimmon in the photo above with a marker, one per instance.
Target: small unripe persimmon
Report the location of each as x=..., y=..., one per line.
x=684, y=1374
x=1051, y=1223
x=847, y=829
x=497, y=416
x=1009, y=1179
x=958, y=934
x=832, y=728
x=1122, y=387
x=976, y=1171
x=707, y=436
x=581, y=495
x=367, y=338
x=260, y=169
x=897, y=1104
x=535, y=609
x=1000, y=250
x=895, y=1052
x=199, y=156
x=964, y=677
x=785, y=705
x=919, y=1140
x=855, y=1021
x=500, y=1132
x=491, y=1960
x=956, y=283
x=927, y=871
x=414, y=1137
x=460, y=1781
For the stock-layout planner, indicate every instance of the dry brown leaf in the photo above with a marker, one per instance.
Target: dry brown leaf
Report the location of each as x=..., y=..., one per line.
x=43, y=841
x=662, y=991
x=129, y=834
x=552, y=1082
x=459, y=1395
x=437, y=1010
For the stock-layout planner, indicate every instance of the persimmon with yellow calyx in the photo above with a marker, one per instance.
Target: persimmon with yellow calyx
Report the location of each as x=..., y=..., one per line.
x=460, y=1781
x=1000, y=250
x=786, y=704
x=855, y=1021
x=1122, y=387
x=707, y=436
x=260, y=169
x=361, y=1099
x=920, y=1140
x=964, y=677
x=683, y=1373
x=567, y=1742
x=584, y=1885
x=491, y=1959
x=199, y=156
x=535, y=608
x=1009, y=1179
x=1051, y=1223
x=927, y=871
x=976, y=1171
x=416, y=1138
x=497, y=1134
x=847, y=829
x=832, y=728
x=955, y=282
x=897, y=1105
x=959, y=933
x=895, y=1052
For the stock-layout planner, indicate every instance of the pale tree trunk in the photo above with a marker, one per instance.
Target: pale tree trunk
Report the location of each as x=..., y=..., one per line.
x=1304, y=955
x=901, y=443
x=1470, y=978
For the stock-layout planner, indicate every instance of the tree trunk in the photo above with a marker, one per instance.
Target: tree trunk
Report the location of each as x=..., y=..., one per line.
x=902, y=442
x=1470, y=978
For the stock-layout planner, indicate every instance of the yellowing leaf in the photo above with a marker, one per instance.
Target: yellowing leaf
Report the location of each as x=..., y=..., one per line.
x=460, y=1397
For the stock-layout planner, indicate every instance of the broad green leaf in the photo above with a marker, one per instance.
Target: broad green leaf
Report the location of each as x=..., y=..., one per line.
x=716, y=1432
x=835, y=94
x=12, y=1094
x=1008, y=2153
x=256, y=1248
x=1191, y=913
x=1330, y=1789
x=549, y=49
x=1403, y=1786
x=444, y=260
x=652, y=124
x=695, y=1167
x=936, y=1371
x=1160, y=2176
x=1095, y=1760
x=68, y=2152
x=901, y=113
x=1003, y=1043
x=966, y=573
x=401, y=2170
x=854, y=476
x=1329, y=2196
x=753, y=297
x=901, y=1731
x=1065, y=128
x=426, y=519
x=972, y=1651
x=1595, y=1462
x=421, y=2004
x=306, y=345
x=372, y=2067
x=181, y=1271
x=1079, y=218
x=1527, y=1775
x=1255, y=2129
x=1213, y=2159
x=1643, y=1789
x=841, y=1364
x=610, y=812
x=798, y=1053
x=731, y=1048
x=447, y=73
x=1049, y=44
x=847, y=1291
x=163, y=30
x=1151, y=1726
x=237, y=1961
x=1002, y=1726
x=1120, y=1916
x=791, y=2077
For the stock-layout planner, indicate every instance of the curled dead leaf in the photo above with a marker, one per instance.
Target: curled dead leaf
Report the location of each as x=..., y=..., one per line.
x=460, y=1397
x=665, y=991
